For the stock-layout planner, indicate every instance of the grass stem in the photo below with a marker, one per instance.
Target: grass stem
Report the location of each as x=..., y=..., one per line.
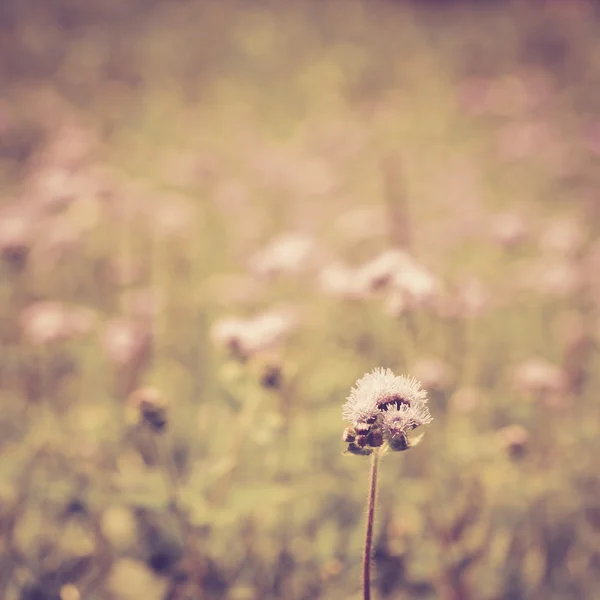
x=368, y=551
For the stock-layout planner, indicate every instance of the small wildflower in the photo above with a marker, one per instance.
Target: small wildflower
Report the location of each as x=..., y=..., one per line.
x=380, y=272
x=513, y=439
x=46, y=322
x=339, y=281
x=421, y=286
x=288, y=254
x=150, y=408
x=269, y=370
x=536, y=376
x=383, y=407
x=246, y=337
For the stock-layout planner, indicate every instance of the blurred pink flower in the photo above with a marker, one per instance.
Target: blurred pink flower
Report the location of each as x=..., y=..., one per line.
x=384, y=270
x=246, y=336
x=538, y=375
x=288, y=254
x=339, y=281
x=126, y=342
x=563, y=237
x=434, y=373
x=17, y=232
x=421, y=287
x=49, y=321
x=509, y=229
x=465, y=399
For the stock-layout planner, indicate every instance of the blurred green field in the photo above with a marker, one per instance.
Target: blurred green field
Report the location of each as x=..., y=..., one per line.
x=203, y=210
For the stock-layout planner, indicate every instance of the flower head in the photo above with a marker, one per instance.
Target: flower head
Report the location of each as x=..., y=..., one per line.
x=405, y=418
x=383, y=407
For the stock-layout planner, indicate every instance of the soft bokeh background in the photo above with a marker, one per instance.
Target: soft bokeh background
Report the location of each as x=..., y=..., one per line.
x=215, y=217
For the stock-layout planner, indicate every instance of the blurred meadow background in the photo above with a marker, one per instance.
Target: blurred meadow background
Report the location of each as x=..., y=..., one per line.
x=216, y=217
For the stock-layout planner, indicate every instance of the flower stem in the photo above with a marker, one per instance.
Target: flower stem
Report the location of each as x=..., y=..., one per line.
x=370, y=521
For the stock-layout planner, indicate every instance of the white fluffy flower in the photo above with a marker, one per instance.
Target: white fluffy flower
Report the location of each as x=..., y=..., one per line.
x=405, y=418
x=380, y=391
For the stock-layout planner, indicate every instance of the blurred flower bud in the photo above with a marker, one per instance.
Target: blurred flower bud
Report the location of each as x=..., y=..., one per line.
x=513, y=439
x=16, y=231
x=150, y=408
x=269, y=369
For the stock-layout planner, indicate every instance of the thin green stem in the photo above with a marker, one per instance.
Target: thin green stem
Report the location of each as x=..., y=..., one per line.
x=370, y=521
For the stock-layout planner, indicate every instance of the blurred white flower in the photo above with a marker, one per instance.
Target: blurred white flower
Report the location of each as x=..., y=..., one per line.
x=538, y=375
x=384, y=269
x=421, y=287
x=50, y=321
x=245, y=337
x=339, y=280
x=287, y=254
